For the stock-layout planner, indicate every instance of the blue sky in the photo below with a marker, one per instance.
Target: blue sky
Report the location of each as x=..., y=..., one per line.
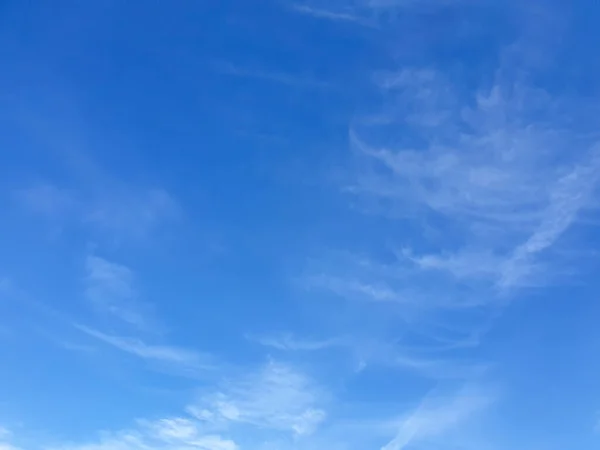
x=266, y=225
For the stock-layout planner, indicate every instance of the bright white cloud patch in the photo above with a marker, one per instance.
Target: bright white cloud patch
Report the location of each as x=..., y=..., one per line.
x=255, y=409
x=275, y=397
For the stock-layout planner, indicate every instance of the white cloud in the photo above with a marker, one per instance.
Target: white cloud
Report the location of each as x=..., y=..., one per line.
x=369, y=13
x=488, y=182
x=346, y=14
x=7, y=446
x=571, y=193
x=292, y=80
x=351, y=288
x=275, y=402
x=480, y=187
x=365, y=351
x=499, y=173
x=5, y=436
x=179, y=360
x=435, y=416
x=468, y=264
x=187, y=431
x=162, y=434
x=289, y=342
x=111, y=289
x=276, y=397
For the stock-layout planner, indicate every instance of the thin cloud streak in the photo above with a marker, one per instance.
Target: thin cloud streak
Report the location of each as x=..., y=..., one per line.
x=292, y=80
x=435, y=416
x=367, y=13
x=572, y=194
x=431, y=362
x=161, y=434
x=182, y=360
x=337, y=16
x=288, y=342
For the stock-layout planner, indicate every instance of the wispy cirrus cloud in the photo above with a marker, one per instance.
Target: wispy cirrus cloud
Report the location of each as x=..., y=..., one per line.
x=275, y=397
x=245, y=412
x=288, y=79
x=491, y=180
x=290, y=342
x=343, y=14
x=368, y=13
x=166, y=357
x=369, y=352
x=351, y=288
x=436, y=416
x=473, y=191
x=161, y=434
x=497, y=172
x=110, y=287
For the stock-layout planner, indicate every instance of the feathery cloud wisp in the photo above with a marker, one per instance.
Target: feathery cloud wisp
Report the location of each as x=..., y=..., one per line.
x=276, y=397
x=343, y=15
x=179, y=360
x=435, y=416
x=289, y=342
x=273, y=401
x=487, y=181
x=499, y=172
x=161, y=434
x=110, y=289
